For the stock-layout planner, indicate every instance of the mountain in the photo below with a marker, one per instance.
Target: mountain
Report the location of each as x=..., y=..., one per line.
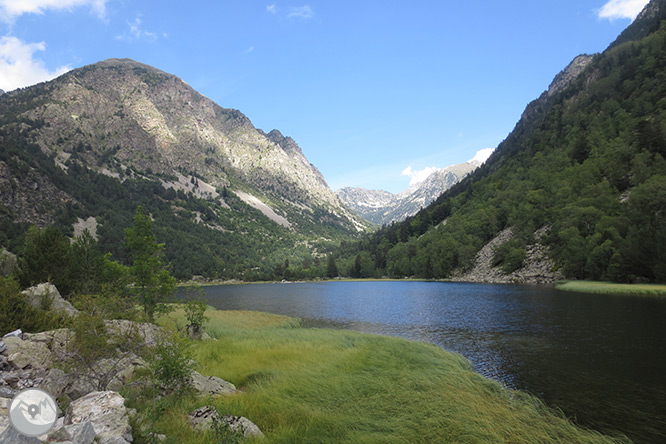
x=381, y=207
x=580, y=182
x=84, y=144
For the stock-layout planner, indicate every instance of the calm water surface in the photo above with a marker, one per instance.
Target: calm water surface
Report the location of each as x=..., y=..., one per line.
x=599, y=358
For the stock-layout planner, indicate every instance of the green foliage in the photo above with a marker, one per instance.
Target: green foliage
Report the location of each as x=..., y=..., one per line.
x=586, y=164
x=46, y=258
x=223, y=433
x=87, y=264
x=509, y=256
x=332, y=267
x=171, y=363
x=17, y=313
x=153, y=284
x=195, y=310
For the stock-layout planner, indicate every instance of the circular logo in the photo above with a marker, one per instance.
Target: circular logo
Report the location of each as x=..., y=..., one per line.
x=33, y=412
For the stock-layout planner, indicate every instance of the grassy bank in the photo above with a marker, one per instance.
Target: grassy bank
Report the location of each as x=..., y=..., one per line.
x=324, y=386
x=612, y=288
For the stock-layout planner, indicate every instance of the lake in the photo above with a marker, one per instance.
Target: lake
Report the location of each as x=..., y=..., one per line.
x=601, y=359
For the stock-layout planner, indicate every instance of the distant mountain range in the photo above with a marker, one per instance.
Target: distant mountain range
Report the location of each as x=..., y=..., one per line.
x=382, y=207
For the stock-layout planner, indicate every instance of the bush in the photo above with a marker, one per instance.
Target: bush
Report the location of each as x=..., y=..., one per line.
x=17, y=313
x=171, y=363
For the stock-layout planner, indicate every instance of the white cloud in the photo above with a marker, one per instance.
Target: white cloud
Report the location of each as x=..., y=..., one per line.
x=271, y=9
x=482, y=155
x=304, y=12
x=19, y=68
x=619, y=9
x=11, y=9
x=136, y=33
x=419, y=175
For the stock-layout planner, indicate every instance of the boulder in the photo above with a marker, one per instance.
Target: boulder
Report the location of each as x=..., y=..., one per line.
x=55, y=382
x=106, y=412
x=202, y=418
x=26, y=354
x=49, y=294
x=16, y=333
x=82, y=433
x=145, y=332
x=240, y=425
x=11, y=436
x=3, y=347
x=54, y=340
x=211, y=385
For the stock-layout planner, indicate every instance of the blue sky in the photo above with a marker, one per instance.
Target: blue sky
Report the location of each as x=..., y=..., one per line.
x=366, y=88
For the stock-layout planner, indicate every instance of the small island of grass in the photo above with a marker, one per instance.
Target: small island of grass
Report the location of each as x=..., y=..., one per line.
x=656, y=290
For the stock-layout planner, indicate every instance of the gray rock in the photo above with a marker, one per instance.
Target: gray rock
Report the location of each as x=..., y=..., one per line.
x=212, y=385
x=3, y=347
x=107, y=413
x=54, y=340
x=26, y=354
x=16, y=333
x=202, y=418
x=11, y=436
x=145, y=332
x=55, y=382
x=7, y=392
x=242, y=426
x=49, y=294
x=7, y=262
x=82, y=433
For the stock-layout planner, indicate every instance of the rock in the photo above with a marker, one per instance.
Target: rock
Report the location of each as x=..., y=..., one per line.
x=26, y=354
x=54, y=340
x=202, y=418
x=16, y=333
x=47, y=293
x=145, y=332
x=107, y=413
x=3, y=347
x=82, y=433
x=56, y=382
x=211, y=385
x=11, y=436
x=7, y=392
x=242, y=426
x=7, y=262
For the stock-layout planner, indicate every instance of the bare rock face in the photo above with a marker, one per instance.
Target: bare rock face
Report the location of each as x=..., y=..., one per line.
x=49, y=294
x=107, y=414
x=570, y=73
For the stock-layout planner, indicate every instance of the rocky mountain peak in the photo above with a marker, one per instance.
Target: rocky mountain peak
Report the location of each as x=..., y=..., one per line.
x=570, y=73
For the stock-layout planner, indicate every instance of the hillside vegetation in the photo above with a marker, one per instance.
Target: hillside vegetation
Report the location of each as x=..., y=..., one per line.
x=587, y=163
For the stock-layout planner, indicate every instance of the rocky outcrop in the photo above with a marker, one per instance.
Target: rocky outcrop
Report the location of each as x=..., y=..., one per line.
x=537, y=268
x=7, y=262
x=570, y=73
x=47, y=294
x=106, y=413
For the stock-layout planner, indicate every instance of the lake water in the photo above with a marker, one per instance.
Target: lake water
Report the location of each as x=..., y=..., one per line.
x=601, y=359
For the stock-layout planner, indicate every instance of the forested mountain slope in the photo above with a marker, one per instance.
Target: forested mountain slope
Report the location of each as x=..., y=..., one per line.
x=585, y=164
x=231, y=200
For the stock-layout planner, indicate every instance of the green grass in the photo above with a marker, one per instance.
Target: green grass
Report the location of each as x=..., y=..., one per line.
x=329, y=386
x=612, y=288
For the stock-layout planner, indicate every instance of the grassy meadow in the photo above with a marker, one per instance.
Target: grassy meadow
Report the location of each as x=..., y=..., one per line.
x=331, y=386
x=658, y=290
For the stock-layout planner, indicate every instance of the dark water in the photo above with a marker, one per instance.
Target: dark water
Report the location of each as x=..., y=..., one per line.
x=601, y=359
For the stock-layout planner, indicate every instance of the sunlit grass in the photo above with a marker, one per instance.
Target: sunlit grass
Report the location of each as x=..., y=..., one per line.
x=328, y=386
x=612, y=288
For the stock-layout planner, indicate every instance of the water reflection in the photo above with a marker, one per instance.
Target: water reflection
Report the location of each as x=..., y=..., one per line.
x=599, y=358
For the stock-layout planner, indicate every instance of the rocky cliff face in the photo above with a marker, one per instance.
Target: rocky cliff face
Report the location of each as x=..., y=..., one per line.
x=123, y=119
x=382, y=207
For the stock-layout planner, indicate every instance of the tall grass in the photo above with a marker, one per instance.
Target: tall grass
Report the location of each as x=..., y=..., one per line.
x=327, y=386
x=612, y=288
